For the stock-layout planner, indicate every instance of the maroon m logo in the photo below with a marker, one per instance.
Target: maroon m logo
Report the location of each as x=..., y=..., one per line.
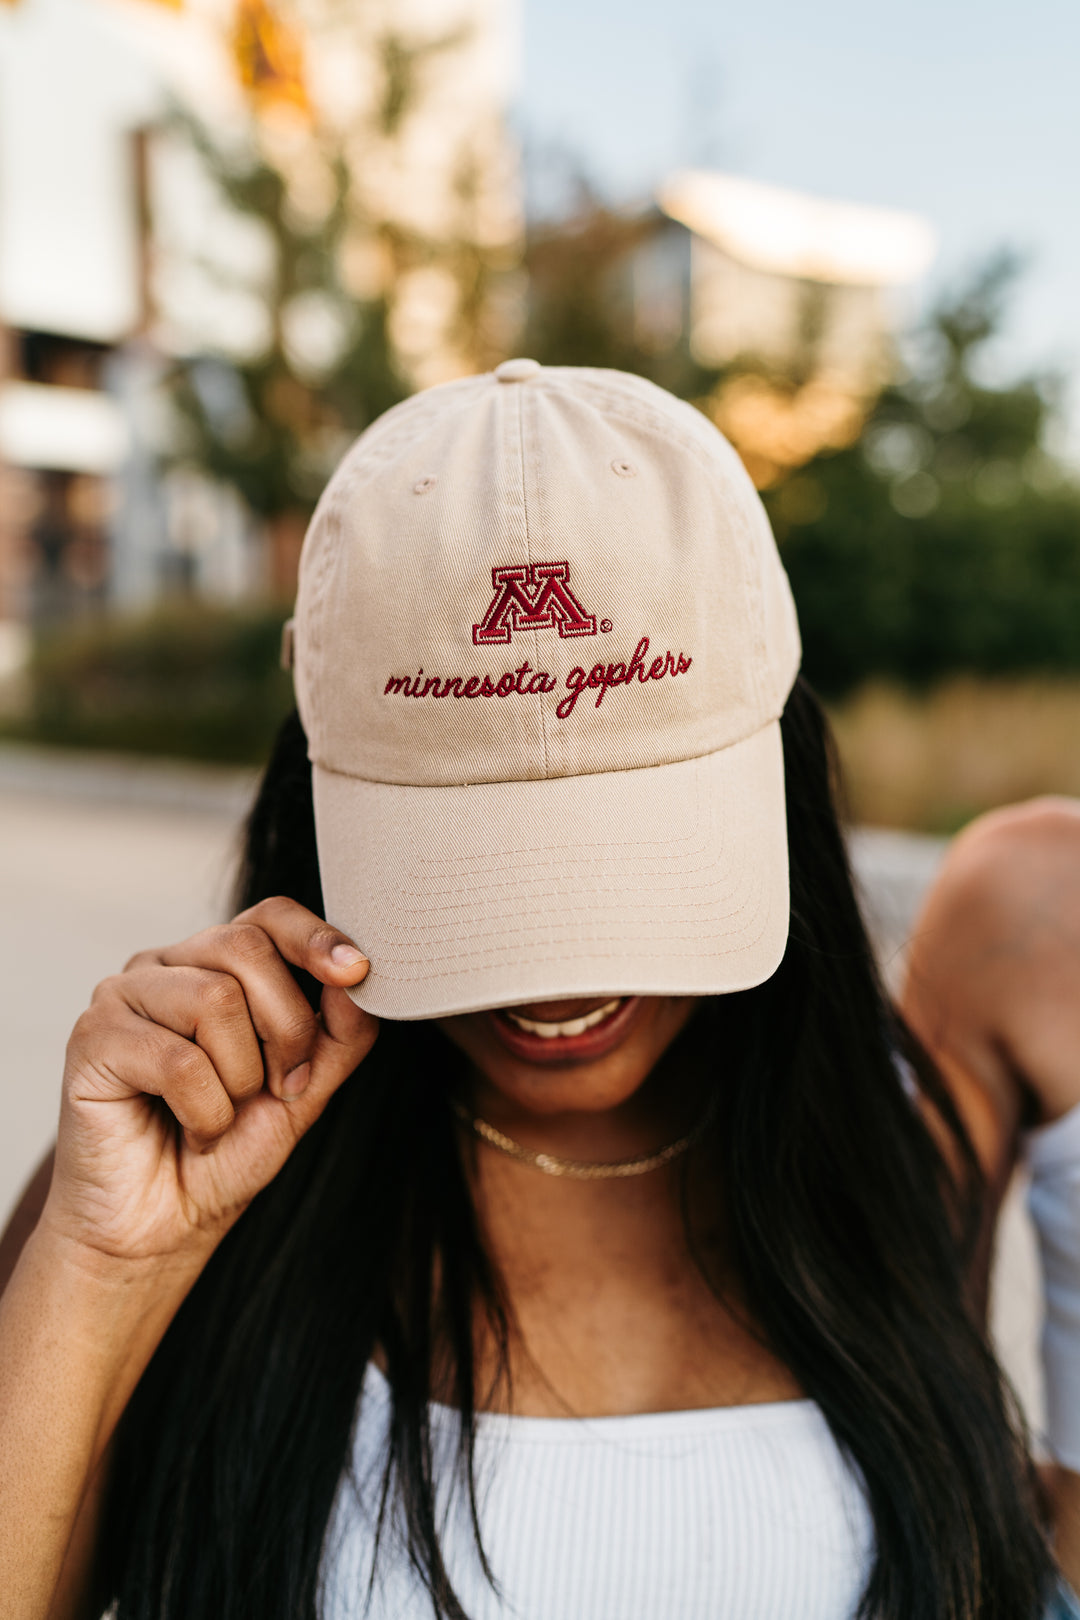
x=534, y=596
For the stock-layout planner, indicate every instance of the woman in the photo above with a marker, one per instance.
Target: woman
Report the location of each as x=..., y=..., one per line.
x=637, y=1268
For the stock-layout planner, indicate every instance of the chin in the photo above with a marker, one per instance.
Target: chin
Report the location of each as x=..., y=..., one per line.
x=572, y=1056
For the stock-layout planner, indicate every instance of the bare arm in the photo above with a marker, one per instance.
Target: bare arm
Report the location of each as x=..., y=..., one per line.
x=76, y=1333
x=74, y=1581
x=993, y=990
x=24, y=1218
x=187, y=1084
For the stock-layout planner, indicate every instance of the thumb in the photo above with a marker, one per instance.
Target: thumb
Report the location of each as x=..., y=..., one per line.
x=345, y=1036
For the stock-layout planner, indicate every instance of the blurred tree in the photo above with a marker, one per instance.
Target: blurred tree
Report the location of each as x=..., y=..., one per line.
x=368, y=291
x=944, y=539
x=189, y=680
x=948, y=538
x=274, y=425
x=582, y=301
x=269, y=56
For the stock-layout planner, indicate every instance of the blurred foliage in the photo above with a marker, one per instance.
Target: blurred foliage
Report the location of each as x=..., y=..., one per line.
x=269, y=426
x=274, y=424
x=190, y=681
x=581, y=306
x=947, y=539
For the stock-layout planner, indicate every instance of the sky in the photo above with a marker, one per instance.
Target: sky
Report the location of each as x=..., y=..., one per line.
x=964, y=111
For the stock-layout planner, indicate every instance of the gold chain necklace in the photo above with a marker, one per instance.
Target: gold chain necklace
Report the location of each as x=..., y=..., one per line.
x=575, y=1169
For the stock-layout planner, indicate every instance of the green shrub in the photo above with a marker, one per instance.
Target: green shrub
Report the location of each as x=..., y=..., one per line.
x=947, y=541
x=987, y=591
x=192, y=681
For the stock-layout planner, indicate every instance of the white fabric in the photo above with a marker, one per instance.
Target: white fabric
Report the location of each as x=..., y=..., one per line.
x=1054, y=1202
x=737, y=1513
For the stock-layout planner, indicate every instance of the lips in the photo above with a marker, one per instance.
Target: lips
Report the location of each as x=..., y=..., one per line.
x=577, y=1040
x=572, y=1026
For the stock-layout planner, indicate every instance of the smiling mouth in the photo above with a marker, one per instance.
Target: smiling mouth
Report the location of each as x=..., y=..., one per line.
x=581, y=1039
x=571, y=1026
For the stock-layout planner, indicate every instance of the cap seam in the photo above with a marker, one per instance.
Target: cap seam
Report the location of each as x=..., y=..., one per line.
x=633, y=411
x=325, y=526
x=523, y=462
x=380, y=447
x=400, y=426
x=618, y=406
x=756, y=598
x=743, y=888
x=564, y=949
x=525, y=781
x=570, y=911
x=569, y=948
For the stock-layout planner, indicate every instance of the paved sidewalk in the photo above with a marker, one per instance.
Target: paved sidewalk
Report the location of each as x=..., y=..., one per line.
x=98, y=859
x=103, y=856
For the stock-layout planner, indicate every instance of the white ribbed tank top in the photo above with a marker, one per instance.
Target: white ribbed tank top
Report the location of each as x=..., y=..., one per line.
x=731, y=1513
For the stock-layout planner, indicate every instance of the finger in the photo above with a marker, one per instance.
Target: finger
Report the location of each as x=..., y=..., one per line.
x=345, y=1037
x=298, y=935
x=193, y=1093
x=208, y=1008
x=308, y=942
x=132, y=1057
x=278, y=1009
x=254, y=949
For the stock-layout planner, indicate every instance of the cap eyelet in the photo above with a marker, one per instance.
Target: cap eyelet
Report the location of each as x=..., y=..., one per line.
x=625, y=469
x=422, y=485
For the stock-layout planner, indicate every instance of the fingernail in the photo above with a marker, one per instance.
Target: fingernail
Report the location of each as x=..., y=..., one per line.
x=296, y=1080
x=347, y=956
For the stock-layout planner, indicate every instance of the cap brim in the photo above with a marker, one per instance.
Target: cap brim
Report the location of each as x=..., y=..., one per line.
x=666, y=881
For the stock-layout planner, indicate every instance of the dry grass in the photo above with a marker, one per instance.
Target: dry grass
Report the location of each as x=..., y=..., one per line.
x=930, y=762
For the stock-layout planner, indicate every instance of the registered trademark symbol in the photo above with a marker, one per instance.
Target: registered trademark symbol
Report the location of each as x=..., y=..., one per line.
x=605, y=625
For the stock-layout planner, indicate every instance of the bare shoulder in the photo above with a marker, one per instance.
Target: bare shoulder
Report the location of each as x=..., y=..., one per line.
x=993, y=985
x=1016, y=864
x=24, y=1217
x=1002, y=921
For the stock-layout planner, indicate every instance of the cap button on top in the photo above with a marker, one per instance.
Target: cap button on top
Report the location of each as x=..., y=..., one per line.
x=517, y=370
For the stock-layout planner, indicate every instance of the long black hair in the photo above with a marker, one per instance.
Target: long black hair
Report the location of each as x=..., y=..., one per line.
x=851, y=1236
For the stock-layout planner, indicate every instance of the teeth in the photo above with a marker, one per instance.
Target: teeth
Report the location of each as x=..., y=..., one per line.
x=574, y=1026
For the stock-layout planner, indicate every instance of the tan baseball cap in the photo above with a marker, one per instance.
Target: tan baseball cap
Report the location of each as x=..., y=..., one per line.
x=542, y=642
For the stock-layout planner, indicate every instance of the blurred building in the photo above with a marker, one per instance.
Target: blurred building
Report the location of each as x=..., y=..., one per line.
x=71, y=289
x=791, y=297
x=116, y=252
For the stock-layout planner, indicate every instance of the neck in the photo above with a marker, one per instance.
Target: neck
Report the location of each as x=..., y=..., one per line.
x=532, y=1219
x=609, y=1309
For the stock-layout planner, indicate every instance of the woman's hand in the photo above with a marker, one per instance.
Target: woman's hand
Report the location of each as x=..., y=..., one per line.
x=191, y=1077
